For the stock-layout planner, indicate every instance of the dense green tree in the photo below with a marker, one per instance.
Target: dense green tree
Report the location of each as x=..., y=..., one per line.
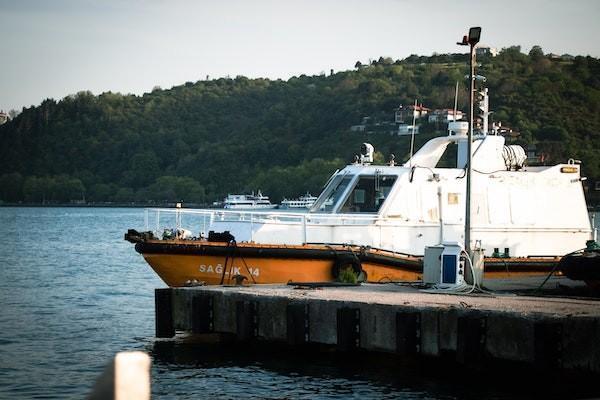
x=11, y=187
x=66, y=189
x=536, y=53
x=201, y=140
x=53, y=189
x=38, y=190
x=102, y=192
x=174, y=189
x=124, y=195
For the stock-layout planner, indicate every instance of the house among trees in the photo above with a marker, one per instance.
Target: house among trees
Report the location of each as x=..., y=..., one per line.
x=362, y=126
x=483, y=50
x=406, y=114
x=407, y=120
x=3, y=117
x=535, y=157
x=445, y=115
x=499, y=129
x=405, y=129
x=556, y=57
x=404, y=118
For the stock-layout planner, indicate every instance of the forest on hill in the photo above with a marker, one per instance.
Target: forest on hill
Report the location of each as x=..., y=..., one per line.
x=202, y=140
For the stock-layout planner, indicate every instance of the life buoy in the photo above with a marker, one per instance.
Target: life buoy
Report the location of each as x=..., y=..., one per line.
x=344, y=261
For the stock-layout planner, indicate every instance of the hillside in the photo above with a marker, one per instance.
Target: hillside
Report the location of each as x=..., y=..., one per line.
x=199, y=141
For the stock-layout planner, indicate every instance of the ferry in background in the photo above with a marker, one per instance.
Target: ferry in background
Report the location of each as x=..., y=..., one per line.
x=304, y=201
x=248, y=201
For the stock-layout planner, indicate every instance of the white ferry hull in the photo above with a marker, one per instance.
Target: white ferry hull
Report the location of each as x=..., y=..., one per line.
x=250, y=207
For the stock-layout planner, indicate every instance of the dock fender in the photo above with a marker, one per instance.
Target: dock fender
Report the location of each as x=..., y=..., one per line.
x=343, y=261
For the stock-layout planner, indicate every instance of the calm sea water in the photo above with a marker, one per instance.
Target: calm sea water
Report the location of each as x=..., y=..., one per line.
x=73, y=293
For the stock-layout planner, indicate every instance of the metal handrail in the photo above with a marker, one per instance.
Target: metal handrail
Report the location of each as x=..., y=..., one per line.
x=257, y=217
x=305, y=219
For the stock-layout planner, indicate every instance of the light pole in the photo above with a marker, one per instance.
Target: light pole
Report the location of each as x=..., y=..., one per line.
x=471, y=40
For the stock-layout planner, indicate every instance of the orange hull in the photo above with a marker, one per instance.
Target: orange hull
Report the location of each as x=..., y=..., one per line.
x=179, y=270
x=185, y=262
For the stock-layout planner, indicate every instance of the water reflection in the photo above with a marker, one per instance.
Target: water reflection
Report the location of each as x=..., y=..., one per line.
x=266, y=371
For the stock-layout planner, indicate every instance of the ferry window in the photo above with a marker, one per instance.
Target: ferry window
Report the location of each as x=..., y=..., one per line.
x=368, y=194
x=332, y=194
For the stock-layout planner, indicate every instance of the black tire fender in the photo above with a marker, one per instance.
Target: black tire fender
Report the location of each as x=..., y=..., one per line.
x=343, y=261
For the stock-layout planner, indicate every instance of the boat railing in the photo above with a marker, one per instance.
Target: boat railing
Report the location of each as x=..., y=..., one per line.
x=155, y=218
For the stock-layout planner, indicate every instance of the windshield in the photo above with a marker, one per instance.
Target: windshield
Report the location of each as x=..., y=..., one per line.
x=368, y=194
x=330, y=196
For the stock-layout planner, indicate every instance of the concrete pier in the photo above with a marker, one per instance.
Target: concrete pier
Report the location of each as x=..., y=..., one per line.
x=546, y=332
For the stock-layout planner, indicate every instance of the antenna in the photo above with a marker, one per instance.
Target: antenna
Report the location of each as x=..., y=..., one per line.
x=412, y=136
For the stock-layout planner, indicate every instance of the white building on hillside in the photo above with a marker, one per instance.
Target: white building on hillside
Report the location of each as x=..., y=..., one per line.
x=406, y=114
x=446, y=115
x=483, y=50
x=405, y=129
x=3, y=117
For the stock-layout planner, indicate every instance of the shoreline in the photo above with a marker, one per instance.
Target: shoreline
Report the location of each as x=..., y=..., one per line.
x=590, y=208
x=104, y=205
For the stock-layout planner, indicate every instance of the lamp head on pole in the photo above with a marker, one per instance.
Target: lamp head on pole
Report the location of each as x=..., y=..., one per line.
x=472, y=38
x=474, y=35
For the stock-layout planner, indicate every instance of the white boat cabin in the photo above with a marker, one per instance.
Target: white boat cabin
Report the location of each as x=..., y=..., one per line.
x=517, y=210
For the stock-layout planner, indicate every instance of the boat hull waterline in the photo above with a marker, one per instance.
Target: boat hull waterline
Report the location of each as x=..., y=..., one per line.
x=188, y=262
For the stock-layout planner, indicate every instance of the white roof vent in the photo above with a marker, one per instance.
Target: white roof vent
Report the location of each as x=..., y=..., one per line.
x=458, y=128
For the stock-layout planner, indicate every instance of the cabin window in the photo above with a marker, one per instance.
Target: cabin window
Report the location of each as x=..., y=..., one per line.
x=368, y=194
x=450, y=157
x=332, y=194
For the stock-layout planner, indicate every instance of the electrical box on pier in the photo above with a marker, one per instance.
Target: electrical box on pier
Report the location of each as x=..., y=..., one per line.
x=444, y=264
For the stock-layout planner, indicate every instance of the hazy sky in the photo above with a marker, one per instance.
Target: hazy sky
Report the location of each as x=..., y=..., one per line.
x=58, y=47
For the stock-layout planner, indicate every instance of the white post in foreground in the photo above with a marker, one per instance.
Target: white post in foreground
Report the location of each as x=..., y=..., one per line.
x=127, y=377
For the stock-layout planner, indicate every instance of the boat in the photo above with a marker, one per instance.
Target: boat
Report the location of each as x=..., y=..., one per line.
x=304, y=201
x=583, y=265
x=248, y=201
x=377, y=220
